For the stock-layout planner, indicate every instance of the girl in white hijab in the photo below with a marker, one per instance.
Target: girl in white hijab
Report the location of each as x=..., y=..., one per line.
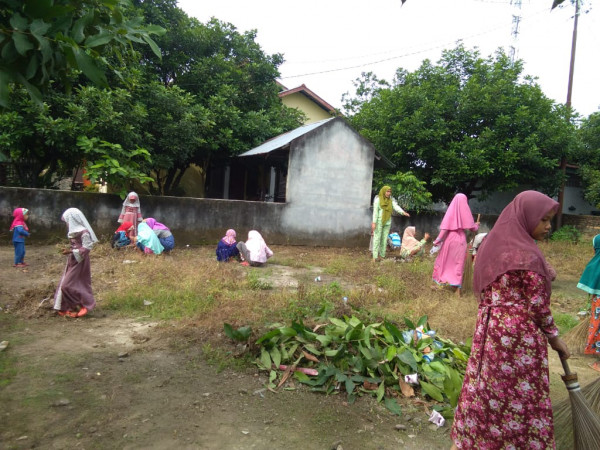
x=74, y=297
x=254, y=251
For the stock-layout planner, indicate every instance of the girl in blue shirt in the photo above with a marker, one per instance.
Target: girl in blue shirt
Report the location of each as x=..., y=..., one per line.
x=20, y=232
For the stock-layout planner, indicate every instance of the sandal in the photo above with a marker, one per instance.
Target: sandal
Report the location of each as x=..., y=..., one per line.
x=595, y=366
x=82, y=312
x=71, y=314
x=61, y=313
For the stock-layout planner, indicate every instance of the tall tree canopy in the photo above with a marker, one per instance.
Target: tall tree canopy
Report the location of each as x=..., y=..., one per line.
x=588, y=158
x=209, y=92
x=229, y=84
x=469, y=124
x=43, y=41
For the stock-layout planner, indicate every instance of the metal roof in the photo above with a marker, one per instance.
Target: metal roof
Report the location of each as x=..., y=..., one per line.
x=284, y=139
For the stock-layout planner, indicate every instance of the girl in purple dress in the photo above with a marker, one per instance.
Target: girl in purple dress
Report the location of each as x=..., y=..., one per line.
x=74, y=297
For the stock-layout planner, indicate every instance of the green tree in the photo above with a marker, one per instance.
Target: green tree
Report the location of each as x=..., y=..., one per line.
x=41, y=140
x=410, y=192
x=36, y=141
x=179, y=129
x=220, y=74
x=44, y=40
x=113, y=164
x=588, y=157
x=468, y=124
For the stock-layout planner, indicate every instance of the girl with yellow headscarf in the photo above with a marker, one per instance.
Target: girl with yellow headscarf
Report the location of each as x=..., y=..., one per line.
x=383, y=206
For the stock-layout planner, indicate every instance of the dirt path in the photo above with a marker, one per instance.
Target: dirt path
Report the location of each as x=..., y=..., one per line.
x=107, y=382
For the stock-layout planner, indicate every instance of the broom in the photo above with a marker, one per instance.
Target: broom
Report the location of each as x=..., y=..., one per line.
x=586, y=424
x=576, y=338
x=467, y=279
x=563, y=424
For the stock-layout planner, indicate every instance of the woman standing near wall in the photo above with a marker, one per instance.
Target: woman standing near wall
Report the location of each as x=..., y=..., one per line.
x=383, y=206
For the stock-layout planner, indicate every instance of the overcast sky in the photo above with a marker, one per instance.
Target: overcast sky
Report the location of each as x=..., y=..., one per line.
x=327, y=44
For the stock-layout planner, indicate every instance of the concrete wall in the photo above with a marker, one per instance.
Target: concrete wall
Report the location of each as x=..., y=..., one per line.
x=574, y=203
x=204, y=221
x=192, y=220
x=329, y=183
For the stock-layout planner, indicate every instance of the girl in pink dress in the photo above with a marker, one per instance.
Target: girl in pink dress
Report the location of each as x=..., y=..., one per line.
x=450, y=262
x=131, y=212
x=505, y=400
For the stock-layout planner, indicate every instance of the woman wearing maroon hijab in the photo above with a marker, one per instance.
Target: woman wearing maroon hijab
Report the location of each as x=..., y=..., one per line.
x=505, y=401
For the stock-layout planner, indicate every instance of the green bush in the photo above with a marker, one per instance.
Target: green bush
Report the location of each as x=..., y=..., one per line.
x=567, y=233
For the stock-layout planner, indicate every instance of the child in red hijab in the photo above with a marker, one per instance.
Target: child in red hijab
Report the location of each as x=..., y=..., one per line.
x=20, y=232
x=122, y=236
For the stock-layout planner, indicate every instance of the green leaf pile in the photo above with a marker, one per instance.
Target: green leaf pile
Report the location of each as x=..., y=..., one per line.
x=366, y=358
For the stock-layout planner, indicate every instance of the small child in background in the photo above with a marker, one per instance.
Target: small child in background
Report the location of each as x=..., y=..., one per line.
x=475, y=243
x=20, y=232
x=227, y=247
x=122, y=237
x=131, y=212
x=411, y=246
x=394, y=241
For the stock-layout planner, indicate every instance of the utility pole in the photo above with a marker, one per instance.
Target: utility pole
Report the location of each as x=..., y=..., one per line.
x=563, y=161
x=516, y=21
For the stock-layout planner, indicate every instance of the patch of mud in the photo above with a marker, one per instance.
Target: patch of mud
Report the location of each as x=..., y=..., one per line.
x=288, y=277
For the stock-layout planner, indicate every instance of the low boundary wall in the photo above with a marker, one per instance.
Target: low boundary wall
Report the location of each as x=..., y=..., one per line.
x=204, y=221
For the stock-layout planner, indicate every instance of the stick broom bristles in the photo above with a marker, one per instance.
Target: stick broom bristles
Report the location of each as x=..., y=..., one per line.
x=586, y=424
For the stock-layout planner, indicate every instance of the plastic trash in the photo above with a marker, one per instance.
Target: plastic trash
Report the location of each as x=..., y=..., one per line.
x=429, y=357
x=434, y=249
x=412, y=378
x=437, y=419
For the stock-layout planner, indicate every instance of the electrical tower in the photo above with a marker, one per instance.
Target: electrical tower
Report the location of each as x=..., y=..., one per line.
x=516, y=21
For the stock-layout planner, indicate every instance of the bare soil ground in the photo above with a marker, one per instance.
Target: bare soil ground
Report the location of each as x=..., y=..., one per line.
x=108, y=382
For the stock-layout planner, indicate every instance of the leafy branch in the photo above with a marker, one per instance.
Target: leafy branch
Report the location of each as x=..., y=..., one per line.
x=366, y=358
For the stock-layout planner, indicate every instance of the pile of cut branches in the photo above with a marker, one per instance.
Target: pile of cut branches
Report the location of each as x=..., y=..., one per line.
x=377, y=359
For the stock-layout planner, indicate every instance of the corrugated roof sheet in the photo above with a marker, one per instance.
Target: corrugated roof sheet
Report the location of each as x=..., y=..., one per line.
x=284, y=139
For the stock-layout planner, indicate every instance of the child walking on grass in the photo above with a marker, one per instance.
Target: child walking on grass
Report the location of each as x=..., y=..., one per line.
x=20, y=232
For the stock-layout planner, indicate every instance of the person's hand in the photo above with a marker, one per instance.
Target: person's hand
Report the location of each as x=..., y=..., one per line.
x=560, y=347
x=427, y=236
x=406, y=214
x=66, y=251
x=372, y=228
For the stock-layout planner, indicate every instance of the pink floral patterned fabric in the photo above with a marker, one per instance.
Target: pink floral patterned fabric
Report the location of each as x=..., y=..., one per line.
x=505, y=399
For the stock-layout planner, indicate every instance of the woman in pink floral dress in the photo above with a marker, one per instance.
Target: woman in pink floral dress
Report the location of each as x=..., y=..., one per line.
x=505, y=401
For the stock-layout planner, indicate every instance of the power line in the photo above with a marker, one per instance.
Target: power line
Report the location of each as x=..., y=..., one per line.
x=404, y=55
